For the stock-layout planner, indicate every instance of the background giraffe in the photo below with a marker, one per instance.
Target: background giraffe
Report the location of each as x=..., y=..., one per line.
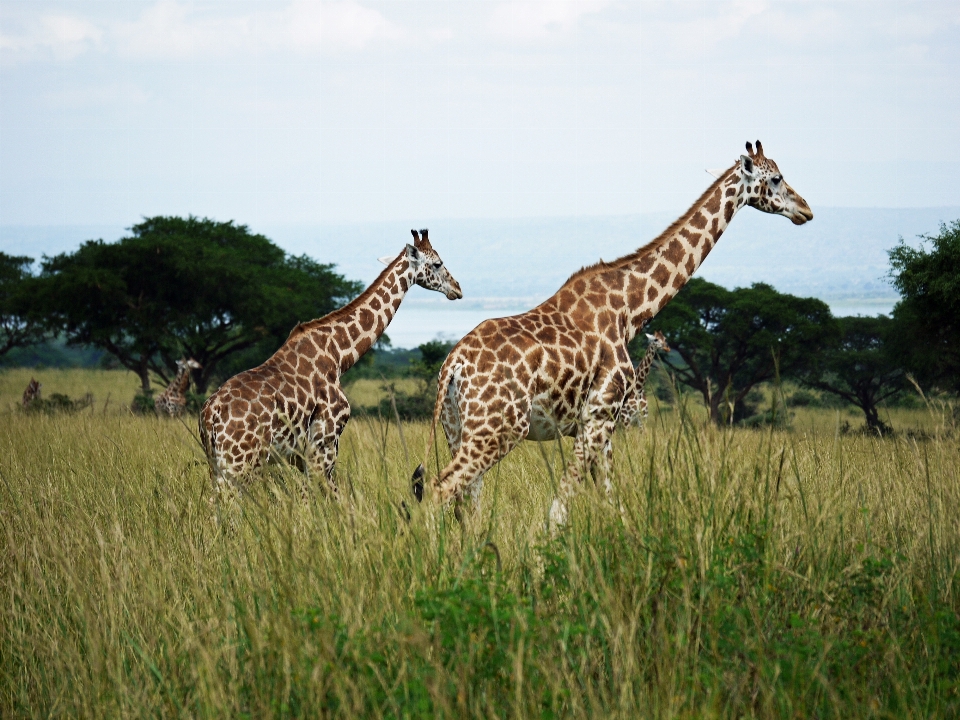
x=173, y=400
x=635, y=403
x=31, y=394
x=292, y=405
x=562, y=368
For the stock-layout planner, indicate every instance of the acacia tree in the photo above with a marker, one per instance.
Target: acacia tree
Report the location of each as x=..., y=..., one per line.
x=928, y=314
x=185, y=286
x=860, y=367
x=19, y=325
x=726, y=342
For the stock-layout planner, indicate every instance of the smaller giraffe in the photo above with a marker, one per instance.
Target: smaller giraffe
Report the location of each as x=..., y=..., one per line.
x=292, y=406
x=31, y=394
x=635, y=405
x=173, y=400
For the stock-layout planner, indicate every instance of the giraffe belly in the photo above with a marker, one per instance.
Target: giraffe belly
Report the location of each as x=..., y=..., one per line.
x=544, y=426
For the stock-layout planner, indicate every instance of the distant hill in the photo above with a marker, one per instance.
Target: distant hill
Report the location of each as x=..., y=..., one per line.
x=506, y=266
x=840, y=257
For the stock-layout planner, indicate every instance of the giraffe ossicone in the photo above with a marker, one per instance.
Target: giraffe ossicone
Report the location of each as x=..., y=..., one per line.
x=173, y=400
x=562, y=368
x=292, y=406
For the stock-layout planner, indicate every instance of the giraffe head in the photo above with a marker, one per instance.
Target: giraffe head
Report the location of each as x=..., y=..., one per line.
x=429, y=270
x=189, y=364
x=767, y=191
x=658, y=341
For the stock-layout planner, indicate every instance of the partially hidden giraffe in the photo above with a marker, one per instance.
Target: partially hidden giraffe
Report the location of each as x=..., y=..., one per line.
x=562, y=368
x=292, y=406
x=173, y=400
x=635, y=403
x=31, y=394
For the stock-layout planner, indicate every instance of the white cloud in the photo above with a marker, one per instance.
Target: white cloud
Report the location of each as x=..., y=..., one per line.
x=334, y=26
x=169, y=29
x=541, y=19
x=64, y=36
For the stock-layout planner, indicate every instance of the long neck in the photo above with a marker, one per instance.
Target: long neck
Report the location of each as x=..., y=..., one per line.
x=656, y=272
x=354, y=328
x=643, y=369
x=182, y=380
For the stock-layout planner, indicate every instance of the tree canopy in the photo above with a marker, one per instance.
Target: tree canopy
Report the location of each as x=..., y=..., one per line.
x=186, y=287
x=726, y=342
x=860, y=367
x=19, y=325
x=928, y=314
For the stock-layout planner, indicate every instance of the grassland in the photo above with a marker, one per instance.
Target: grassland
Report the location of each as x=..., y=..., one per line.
x=768, y=573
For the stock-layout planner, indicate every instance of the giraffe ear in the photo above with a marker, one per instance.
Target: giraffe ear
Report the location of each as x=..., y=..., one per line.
x=715, y=172
x=386, y=259
x=746, y=165
x=649, y=336
x=413, y=253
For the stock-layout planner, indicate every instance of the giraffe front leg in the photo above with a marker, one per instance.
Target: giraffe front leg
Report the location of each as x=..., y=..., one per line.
x=591, y=448
x=325, y=432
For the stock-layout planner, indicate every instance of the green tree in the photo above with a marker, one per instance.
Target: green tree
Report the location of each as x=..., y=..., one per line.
x=19, y=325
x=432, y=355
x=726, y=342
x=860, y=367
x=928, y=314
x=186, y=287
x=418, y=404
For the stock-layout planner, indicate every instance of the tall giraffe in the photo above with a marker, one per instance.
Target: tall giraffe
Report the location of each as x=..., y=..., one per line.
x=635, y=403
x=292, y=405
x=562, y=368
x=173, y=400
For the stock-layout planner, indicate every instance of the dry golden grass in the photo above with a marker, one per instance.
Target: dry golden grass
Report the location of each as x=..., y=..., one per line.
x=739, y=573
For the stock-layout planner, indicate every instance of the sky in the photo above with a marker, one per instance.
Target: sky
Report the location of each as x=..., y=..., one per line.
x=348, y=111
x=334, y=127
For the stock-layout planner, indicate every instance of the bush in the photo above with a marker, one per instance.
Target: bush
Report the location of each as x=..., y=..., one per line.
x=59, y=403
x=143, y=403
x=409, y=406
x=803, y=398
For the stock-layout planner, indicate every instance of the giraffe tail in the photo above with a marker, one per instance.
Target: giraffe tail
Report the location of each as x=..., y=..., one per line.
x=443, y=384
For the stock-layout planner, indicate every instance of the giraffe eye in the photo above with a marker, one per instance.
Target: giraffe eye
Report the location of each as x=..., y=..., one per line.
x=438, y=265
x=776, y=179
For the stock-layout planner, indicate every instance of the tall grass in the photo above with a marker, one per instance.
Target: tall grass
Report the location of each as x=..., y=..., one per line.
x=737, y=573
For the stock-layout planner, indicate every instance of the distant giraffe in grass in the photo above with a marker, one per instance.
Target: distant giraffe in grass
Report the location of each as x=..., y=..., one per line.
x=635, y=403
x=31, y=394
x=173, y=400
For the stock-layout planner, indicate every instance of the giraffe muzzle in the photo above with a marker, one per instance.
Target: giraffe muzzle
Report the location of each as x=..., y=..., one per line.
x=801, y=215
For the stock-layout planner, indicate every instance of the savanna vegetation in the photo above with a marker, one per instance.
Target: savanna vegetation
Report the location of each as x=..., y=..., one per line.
x=763, y=556
x=786, y=571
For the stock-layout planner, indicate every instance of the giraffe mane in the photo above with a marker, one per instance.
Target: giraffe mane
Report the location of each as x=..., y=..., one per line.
x=658, y=240
x=347, y=309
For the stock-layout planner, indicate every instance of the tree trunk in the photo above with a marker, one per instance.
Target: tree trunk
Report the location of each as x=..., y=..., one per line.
x=714, y=405
x=143, y=371
x=874, y=423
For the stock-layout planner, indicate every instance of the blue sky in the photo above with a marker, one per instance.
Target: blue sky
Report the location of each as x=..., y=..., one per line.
x=349, y=111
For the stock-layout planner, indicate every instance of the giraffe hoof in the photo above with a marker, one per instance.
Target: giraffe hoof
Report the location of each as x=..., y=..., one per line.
x=417, y=481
